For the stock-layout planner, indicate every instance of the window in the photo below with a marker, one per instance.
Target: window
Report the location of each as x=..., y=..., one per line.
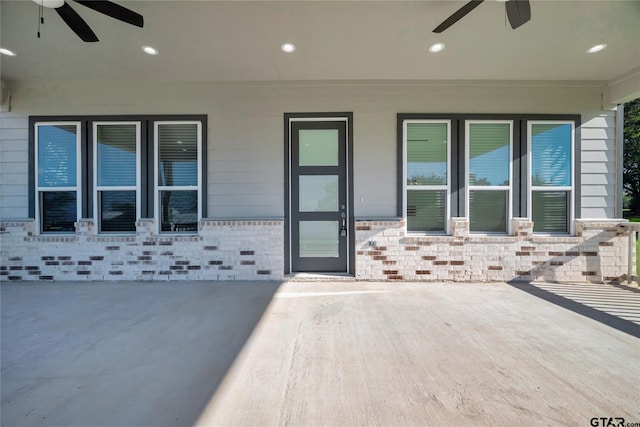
x=488, y=156
x=551, y=176
x=488, y=168
x=116, y=169
x=427, y=175
x=57, y=205
x=116, y=176
x=177, y=148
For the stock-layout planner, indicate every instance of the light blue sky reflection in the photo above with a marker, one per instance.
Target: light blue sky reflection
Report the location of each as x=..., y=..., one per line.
x=57, y=165
x=551, y=155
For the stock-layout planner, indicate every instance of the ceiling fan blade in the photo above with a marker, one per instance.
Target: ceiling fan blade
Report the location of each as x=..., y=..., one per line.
x=518, y=12
x=457, y=15
x=76, y=23
x=115, y=11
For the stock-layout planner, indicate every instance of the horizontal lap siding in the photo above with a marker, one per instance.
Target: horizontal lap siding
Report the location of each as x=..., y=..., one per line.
x=14, y=165
x=245, y=136
x=598, y=165
x=245, y=176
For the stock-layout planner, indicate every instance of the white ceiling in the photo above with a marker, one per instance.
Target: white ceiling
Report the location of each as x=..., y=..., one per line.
x=346, y=40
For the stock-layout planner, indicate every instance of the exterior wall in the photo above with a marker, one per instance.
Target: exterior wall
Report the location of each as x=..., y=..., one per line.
x=597, y=253
x=245, y=180
x=14, y=164
x=598, y=166
x=222, y=250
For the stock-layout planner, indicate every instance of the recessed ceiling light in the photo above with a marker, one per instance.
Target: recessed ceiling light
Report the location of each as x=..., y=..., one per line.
x=434, y=48
x=7, y=52
x=597, y=48
x=150, y=50
x=288, y=47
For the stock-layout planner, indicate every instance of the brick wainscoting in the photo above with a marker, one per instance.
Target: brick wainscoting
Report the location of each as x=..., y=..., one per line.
x=597, y=252
x=222, y=250
x=254, y=249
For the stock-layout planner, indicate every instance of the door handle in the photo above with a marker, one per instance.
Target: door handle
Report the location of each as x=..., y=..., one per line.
x=343, y=228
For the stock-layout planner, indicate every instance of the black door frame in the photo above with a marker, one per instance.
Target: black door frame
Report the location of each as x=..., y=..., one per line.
x=346, y=117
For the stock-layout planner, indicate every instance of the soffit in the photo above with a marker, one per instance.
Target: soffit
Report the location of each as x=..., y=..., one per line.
x=336, y=40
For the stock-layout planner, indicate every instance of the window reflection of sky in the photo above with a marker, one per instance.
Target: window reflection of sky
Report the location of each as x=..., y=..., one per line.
x=491, y=168
x=551, y=162
x=116, y=165
x=57, y=166
x=551, y=155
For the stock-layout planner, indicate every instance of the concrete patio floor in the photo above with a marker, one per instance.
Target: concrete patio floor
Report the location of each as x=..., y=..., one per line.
x=316, y=354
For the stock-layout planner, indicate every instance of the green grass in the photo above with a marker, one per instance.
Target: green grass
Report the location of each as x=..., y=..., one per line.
x=637, y=219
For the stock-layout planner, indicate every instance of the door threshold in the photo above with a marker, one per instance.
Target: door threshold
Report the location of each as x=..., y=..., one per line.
x=319, y=277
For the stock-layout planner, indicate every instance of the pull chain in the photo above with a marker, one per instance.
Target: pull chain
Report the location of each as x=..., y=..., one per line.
x=40, y=20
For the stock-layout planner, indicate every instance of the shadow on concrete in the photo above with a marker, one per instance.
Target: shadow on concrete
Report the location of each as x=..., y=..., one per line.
x=625, y=287
x=116, y=354
x=610, y=320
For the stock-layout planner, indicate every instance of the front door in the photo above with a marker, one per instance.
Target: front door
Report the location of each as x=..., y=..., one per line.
x=319, y=208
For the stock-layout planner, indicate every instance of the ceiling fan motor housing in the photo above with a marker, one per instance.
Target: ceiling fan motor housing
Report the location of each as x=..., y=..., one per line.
x=51, y=4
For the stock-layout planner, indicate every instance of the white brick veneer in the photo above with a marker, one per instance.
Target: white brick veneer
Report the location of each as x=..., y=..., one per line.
x=222, y=250
x=253, y=249
x=597, y=252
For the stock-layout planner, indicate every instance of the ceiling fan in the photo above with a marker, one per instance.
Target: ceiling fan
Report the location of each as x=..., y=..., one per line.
x=79, y=26
x=518, y=13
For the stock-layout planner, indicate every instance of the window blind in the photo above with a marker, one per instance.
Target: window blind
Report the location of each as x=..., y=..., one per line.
x=488, y=211
x=551, y=176
x=116, y=176
x=550, y=211
x=427, y=154
x=58, y=211
x=179, y=210
x=116, y=147
x=427, y=145
x=57, y=156
x=551, y=155
x=426, y=210
x=117, y=211
x=57, y=180
x=178, y=155
x=489, y=176
x=489, y=154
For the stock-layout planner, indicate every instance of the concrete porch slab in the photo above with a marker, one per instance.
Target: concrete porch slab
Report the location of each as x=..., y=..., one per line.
x=317, y=354
x=418, y=354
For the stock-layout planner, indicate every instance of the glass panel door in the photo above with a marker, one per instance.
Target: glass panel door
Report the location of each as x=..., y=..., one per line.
x=319, y=217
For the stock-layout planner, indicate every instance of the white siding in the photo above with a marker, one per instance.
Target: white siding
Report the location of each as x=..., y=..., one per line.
x=245, y=136
x=598, y=167
x=14, y=165
x=246, y=176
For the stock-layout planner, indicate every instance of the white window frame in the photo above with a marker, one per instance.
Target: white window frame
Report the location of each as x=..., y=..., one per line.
x=77, y=188
x=446, y=188
x=97, y=189
x=509, y=188
x=156, y=178
x=570, y=189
